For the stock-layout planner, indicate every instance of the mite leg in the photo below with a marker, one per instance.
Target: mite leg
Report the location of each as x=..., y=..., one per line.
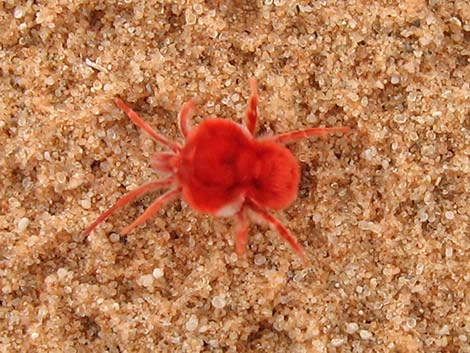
x=281, y=229
x=241, y=235
x=252, y=110
x=185, y=114
x=301, y=134
x=152, y=209
x=162, y=161
x=144, y=126
x=143, y=189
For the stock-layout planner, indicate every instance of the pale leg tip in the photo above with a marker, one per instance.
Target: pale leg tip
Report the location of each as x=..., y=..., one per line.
x=240, y=250
x=306, y=262
x=121, y=105
x=125, y=231
x=304, y=258
x=253, y=82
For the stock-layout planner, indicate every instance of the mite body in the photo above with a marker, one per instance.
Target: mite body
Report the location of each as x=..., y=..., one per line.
x=223, y=169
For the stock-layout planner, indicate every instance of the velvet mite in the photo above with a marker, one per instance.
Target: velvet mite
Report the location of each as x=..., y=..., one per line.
x=223, y=169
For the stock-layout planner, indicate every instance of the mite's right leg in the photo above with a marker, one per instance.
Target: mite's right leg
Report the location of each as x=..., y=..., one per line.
x=280, y=228
x=241, y=233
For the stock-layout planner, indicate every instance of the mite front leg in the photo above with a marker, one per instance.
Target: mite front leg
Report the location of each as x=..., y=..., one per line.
x=144, y=126
x=185, y=114
x=162, y=161
x=252, y=110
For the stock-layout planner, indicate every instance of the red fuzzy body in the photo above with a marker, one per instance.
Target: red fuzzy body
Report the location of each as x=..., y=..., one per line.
x=222, y=164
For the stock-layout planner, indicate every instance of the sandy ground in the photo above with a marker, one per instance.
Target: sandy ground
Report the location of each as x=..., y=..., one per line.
x=382, y=212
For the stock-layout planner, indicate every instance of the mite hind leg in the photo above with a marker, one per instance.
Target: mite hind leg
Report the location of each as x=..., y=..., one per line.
x=281, y=229
x=241, y=232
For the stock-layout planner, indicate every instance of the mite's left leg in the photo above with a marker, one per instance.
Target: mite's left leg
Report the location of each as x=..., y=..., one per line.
x=185, y=114
x=143, y=189
x=144, y=126
x=252, y=110
x=152, y=209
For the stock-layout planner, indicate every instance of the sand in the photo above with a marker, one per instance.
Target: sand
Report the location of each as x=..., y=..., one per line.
x=382, y=212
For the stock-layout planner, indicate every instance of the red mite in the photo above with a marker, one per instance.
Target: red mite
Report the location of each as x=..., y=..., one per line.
x=225, y=170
